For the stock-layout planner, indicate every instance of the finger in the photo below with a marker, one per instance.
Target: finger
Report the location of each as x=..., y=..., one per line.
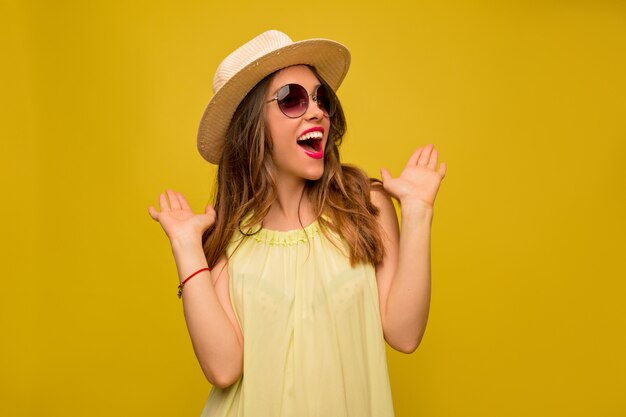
x=432, y=162
x=163, y=203
x=183, y=203
x=210, y=211
x=425, y=156
x=414, y=158
x=385, y=175
x=174, y=203
x=442, y=170
x=153, y=213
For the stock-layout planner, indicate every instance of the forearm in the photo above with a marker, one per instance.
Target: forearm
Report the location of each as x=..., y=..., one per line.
x=214, y=340
x=408, y=302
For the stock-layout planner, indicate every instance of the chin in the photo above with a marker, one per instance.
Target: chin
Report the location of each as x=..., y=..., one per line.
x=313, y=175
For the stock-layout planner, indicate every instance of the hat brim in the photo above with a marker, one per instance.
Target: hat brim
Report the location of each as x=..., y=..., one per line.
x=331, y=60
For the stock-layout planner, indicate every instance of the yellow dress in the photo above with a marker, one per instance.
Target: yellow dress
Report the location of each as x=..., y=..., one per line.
x=313, y=340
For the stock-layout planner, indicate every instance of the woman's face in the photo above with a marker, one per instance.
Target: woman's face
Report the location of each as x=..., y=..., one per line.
x=298, y=143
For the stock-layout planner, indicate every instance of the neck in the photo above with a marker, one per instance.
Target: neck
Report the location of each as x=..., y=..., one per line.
x=291, y=209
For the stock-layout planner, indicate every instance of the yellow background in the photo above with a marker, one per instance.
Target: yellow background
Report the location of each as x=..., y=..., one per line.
x=525, y=100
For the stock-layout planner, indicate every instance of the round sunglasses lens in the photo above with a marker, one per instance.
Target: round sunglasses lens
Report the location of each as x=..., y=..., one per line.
x=293, y=100
x=324, y=102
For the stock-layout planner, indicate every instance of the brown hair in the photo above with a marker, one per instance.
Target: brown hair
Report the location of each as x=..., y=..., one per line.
x=246, y=184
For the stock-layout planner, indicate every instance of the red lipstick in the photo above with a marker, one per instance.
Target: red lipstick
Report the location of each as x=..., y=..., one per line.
x=312, y=146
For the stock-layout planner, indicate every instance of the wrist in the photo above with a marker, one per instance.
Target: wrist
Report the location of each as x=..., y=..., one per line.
x=184, y=281
x=417, y=214
x=416, y=207
x=186, y=244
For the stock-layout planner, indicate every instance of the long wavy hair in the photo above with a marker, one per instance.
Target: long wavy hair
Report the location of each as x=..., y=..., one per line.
x=246, y=184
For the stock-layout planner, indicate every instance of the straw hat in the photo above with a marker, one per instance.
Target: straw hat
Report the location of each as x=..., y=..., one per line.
x=249, y=64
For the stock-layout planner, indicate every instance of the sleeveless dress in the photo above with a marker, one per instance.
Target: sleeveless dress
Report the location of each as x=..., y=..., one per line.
x=313, y=340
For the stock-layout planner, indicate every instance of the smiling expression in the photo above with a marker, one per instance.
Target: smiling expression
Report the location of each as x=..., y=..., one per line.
x=297, y=144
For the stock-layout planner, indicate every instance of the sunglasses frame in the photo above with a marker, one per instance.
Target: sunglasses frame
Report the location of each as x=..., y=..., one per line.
x=312, y=96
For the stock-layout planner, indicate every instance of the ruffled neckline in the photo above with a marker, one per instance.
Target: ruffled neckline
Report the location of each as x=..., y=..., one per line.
x=287, y=237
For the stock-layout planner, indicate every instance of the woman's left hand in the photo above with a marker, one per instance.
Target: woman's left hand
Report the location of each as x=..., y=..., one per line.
x=420, y=179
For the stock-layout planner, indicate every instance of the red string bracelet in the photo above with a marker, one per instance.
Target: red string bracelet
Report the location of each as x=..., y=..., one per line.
x=182, y=284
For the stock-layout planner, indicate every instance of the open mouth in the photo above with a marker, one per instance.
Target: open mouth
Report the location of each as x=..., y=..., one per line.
x=311, y=142
x=311, y=145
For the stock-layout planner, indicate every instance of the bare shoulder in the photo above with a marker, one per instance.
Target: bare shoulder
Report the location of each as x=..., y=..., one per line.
x=381, y=199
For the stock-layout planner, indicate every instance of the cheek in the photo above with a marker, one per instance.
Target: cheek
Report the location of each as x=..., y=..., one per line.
x=279, y=143
x=275, y=125
x=327, y=126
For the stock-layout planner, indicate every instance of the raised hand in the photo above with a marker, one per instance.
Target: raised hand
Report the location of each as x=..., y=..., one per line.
x=420, y=179
x=178, y=220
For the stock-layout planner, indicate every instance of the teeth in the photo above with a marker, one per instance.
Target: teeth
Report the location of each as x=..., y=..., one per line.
x=312, y=135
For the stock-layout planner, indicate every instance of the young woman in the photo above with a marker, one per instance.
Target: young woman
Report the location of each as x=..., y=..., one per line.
x=309, y=272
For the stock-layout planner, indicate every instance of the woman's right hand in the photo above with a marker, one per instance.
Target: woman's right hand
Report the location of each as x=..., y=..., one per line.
x=178, y=220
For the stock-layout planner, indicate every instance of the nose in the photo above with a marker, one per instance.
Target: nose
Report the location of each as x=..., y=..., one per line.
x=314, y=111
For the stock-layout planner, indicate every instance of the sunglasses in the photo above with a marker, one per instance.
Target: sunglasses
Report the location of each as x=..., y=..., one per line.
x=293, y=100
